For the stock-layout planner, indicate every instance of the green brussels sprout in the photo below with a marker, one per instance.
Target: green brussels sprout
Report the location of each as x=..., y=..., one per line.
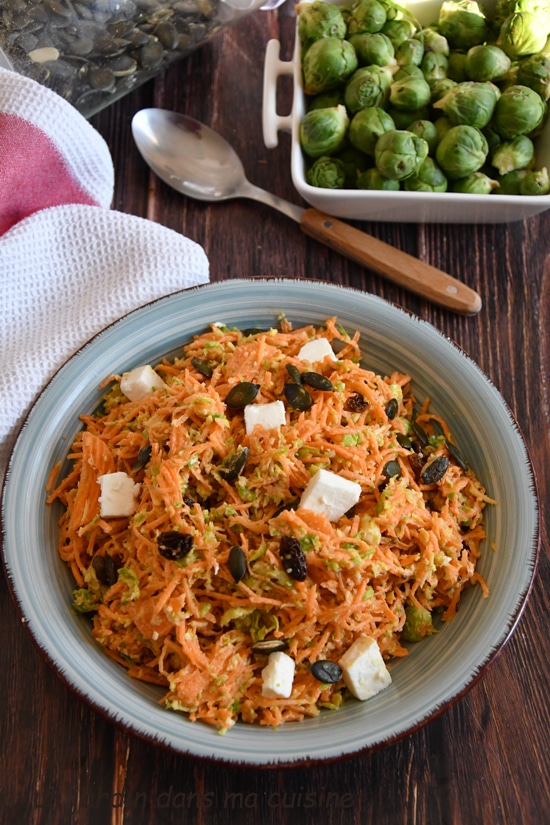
x=322, y=131
x=534, y=72
x=519, y=111
x=461, y=151
x=327, y=63
x=375, y=48
x=470, y=103
x=427, y=178
x=427, y=131
x=524, y=33
x=441, y=87
x=366, y=127
x=399, y=30
x=317, y=20
x=366, y=16
x=493, y=138
x=354, y=162
x=442, y=126
x=434, y=41
x=325, y=100
x=509, y=183
x=434, y=67
x=408, y=70
x=327, y=173
x=399, y=153
x=463, y=23
x=418, y=624
x=374, y=179
x=486, y=62
x=410, y=94
x=535, y=182
x=409, y=51
x=478, y=183
x=509, y=155
x=368, y=86
x=456, y=67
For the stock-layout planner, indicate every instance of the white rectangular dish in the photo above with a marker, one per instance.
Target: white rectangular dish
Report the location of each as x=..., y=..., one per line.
x=372, y=205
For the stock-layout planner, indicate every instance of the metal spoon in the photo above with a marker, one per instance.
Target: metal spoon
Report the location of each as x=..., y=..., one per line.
x=198, y=162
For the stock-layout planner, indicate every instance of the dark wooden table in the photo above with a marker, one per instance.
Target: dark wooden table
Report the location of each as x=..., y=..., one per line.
x=483, y=761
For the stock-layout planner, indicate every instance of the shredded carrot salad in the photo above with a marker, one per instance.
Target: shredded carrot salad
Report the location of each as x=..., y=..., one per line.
x=408, y=548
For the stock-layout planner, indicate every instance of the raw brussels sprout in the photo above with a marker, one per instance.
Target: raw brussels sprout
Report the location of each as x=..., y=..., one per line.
x=322, y=131
x=461, y=151
x=456, y=67
x=372, y=48
x=427, y=131
x=354, y=162
x=400, y=30
x=509, y=183
x=441, y=87
x=418, y=624
x=366, y=16
x=434, y=67
x=317, y=20
x=486, y=62
x=327, y=63
x=427, y=178
x=434, y=41
x=409, y=51
x=478, y=183
x=463, y=23
x=519, y=111
x=368, y=86
x=470, y=103
x=534, y=72
x=366, y=127
x=524, y=33
x=442, y=126
x=493, y=138
x=409, y=70
x=513, y=154
x=403, y=118
x=535, y=183
x=374, y=179
x=327, y=173
x=325, y=100
x=399, y=153
x=410, y=94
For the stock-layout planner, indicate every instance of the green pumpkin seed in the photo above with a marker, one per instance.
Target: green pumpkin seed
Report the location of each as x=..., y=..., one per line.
x=242, y=394
x=456, y=455
x=420, y=433
x=317, y=381
x=267, y=646
x=142, y=458
x=202, y=366
x=233, y=465
x=237, y=563
x=326, y=671
x=392, y=408
x=404, y=441
x=392, y=469
x=294, y=373
x=298, y=397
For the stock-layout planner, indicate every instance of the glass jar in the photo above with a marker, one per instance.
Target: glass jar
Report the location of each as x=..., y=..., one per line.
x=92, y=52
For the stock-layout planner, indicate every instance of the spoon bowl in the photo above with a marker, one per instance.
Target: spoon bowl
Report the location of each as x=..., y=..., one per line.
x=199, y=163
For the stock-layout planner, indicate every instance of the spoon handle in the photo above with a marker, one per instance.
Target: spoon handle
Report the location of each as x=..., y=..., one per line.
x=405, y=270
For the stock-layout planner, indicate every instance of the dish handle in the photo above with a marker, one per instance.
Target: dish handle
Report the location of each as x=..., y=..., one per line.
x=274, y=68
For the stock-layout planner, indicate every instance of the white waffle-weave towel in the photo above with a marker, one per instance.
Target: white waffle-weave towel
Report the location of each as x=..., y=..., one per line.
x=69, y=265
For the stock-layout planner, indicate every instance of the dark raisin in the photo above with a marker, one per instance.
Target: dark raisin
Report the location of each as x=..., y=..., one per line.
x=435, y=470
x=293, y=558
x=298, y=397
x=174, y=545
x=202, y=366
x=326, y=671
x=317, y=381
x=188, y=501
x=241, y=394
x=294, y=373
x=392, y=408
x=105, y=570
x=356, y=403
x=237, y=563
x=142, y=458
x=233, y=465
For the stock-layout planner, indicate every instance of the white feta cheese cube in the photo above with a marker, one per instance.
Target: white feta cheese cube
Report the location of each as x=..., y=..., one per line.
x=140, y=382
x=269, y=416
x=317, y=350
x=278, y=676
x=363, y=669
x=118, y=496
x=330, y=494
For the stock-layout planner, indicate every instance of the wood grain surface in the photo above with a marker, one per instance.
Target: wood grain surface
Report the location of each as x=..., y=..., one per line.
x=484, y=761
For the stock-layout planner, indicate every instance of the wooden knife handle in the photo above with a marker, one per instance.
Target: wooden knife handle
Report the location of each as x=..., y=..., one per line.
x=407, y=271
